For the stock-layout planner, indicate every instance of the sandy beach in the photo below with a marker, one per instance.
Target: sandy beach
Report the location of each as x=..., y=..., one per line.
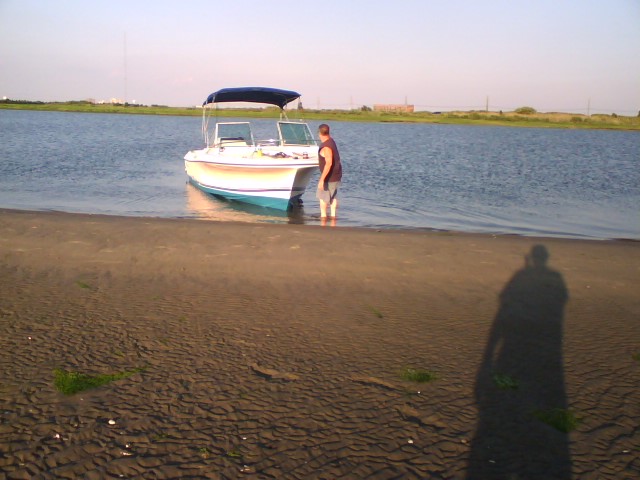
x=283, y=351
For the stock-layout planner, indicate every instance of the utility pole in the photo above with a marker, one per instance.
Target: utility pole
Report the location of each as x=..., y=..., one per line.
x=486, y=106
x=589, y=107
x=125, y=69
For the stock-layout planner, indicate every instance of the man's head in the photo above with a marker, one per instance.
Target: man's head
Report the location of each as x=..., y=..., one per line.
x=323, y=130
x=538, y=256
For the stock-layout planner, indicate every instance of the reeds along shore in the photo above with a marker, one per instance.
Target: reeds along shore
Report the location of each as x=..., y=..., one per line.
x=499, y=118
x=283, y=351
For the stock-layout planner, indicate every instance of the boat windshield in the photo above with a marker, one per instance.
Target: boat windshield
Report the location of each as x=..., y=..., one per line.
x=234, y=133
x=292, y=133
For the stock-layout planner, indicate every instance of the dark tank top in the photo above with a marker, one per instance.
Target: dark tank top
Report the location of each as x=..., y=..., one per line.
x=335, y=174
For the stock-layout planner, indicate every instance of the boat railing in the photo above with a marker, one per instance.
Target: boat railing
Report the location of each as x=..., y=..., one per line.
x=269, y=142
x=233, y=142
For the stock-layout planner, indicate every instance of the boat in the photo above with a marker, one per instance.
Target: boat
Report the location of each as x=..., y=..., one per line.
x=272, y=173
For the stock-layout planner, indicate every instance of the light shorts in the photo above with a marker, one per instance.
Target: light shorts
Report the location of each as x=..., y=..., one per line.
x=329, y=193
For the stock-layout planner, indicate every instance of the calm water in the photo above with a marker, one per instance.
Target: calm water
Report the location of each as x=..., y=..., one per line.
x=568, y=183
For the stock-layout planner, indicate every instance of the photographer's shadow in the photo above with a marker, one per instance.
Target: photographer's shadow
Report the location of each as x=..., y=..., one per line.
x=521, y=375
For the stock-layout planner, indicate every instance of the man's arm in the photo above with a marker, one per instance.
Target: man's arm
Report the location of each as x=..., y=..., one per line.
x=327, y=153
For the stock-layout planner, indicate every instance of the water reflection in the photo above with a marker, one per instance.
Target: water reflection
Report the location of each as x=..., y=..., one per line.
x=522, y=374
x=203, y=206
x=330, y=221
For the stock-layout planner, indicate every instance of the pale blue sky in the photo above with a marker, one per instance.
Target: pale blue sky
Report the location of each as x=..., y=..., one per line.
x=553, y=55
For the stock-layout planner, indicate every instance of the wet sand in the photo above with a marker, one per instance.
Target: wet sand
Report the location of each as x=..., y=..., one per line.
x=278, y=351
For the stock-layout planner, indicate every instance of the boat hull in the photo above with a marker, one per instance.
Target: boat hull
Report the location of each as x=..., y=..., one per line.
x=265, y=181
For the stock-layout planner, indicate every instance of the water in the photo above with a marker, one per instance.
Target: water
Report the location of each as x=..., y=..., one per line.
x=543, y=182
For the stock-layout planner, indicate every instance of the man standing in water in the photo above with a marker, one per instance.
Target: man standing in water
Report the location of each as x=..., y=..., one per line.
x=330, y=172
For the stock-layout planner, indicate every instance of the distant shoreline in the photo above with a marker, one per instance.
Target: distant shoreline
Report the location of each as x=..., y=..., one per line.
x=504, y=119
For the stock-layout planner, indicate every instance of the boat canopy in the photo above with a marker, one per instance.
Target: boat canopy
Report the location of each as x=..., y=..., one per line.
x=272, y=96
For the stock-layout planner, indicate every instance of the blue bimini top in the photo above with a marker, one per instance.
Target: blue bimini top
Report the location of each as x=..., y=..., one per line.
x=272, y=96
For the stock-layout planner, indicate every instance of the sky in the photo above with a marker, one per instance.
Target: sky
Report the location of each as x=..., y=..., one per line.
x=579, y=56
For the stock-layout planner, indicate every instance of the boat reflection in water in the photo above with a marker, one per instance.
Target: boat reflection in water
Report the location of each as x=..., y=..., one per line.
x=204, y=206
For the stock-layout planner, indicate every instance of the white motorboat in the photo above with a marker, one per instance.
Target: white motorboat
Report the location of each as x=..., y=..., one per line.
x=272, y=173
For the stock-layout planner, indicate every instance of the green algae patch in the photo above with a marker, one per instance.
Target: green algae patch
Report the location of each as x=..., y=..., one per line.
x=69, y=382
x=558, y=418
x=418, y=375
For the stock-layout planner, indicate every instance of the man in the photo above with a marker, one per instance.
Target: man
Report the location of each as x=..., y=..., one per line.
x=330, y=172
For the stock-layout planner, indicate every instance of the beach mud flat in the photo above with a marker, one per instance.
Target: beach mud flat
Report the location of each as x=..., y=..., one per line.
x=284, y=351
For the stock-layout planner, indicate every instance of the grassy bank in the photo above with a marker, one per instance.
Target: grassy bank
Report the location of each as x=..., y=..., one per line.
x=510, y=119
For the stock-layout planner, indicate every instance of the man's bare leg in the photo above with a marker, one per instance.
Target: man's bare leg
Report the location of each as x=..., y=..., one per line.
x=323, y=209
x=334, y=207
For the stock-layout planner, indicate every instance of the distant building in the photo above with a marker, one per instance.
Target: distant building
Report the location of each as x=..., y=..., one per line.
x=112, y=101
x=395, y=108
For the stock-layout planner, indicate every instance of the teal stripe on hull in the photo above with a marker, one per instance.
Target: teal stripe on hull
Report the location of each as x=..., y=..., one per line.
x=269, y=202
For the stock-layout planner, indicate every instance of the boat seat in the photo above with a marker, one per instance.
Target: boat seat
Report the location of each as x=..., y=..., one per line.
x=232, y=142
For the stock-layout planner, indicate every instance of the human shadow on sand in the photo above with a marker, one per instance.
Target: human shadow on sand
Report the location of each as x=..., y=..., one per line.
x=521, y=374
